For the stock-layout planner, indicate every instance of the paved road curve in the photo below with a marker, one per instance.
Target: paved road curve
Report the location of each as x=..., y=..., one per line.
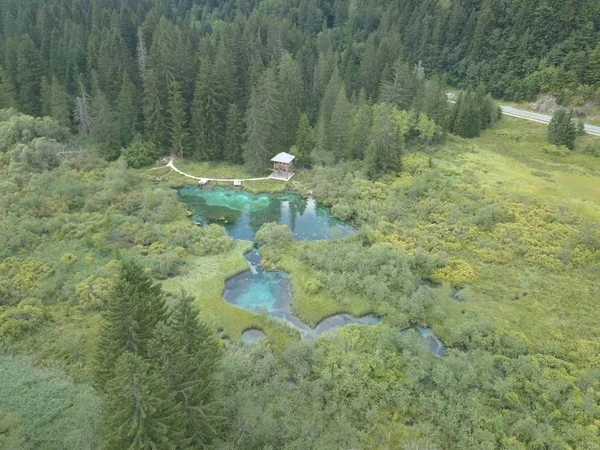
x=542, y=118
x=528, y=115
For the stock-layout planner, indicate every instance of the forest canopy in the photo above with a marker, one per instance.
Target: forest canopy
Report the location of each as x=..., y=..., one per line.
x=220, y=80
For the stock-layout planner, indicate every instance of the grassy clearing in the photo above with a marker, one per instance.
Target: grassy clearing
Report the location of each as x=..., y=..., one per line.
x=555, y=308
x=52, y=411
x=205, y=280
x=220, y=170
x=510, y=159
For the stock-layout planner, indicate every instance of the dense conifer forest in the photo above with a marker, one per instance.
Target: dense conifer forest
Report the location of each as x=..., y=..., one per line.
x=482, y=229
x=218, y=80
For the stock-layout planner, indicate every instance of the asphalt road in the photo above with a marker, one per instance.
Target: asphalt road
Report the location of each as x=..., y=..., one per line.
x=542, y=118
x=528, y=115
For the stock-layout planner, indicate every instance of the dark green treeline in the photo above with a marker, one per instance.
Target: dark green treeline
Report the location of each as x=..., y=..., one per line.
x=231, y=80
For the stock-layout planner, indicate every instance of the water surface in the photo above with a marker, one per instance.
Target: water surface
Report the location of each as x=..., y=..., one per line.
x=260, y=290
x=242, y=214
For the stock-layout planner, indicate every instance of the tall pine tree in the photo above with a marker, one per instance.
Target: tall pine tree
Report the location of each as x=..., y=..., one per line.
x=59, y=103
x=185, y=352
x=135, y=306
x=139, y=412
x=128, y=111
x=263, y=137
x=208, y=114
x=291, y=98
x=385, y=142
x=234, y=136
x=105, y=129
x=399, y=90
x=305, y=142
x=179, y=135
x=562, y=129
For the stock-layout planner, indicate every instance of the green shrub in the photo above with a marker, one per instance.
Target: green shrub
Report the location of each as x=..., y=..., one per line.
x=17, y=321
x=456, y=272
x=212, y=240
x=68, y=258
x=93, y=292
x=273, y=234
x=313, y=286
x=140, y=154
x=39, y=155
x=592, y=149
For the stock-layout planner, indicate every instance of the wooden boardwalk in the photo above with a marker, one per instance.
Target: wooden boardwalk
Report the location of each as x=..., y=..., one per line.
x=235, y=181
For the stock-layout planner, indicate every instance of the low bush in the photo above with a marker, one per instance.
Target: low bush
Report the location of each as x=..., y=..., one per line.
x=140, y=154
x=271, y=234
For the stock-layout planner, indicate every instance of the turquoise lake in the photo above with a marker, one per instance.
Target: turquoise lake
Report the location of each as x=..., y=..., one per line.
x=242, y=213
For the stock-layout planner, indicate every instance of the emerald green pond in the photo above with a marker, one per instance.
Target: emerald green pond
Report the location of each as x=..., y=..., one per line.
x=242, y=214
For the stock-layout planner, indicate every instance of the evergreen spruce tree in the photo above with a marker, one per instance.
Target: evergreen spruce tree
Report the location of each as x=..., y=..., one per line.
x=330, y=96
x=305, y=142
x=179, y=135
x=45, y=97
x=225, y=67
x=562, y=130
x=323, y=74
x=139, y=412
x=361, y=123
x=262, y=124
x=29, y=77
x=338, y=139
x=156, y=124
x=592, y=70
x=385, y=142
x=369, y=68
x=59, y=103
x=208, y=114
x=185, y=352
x=128, y=111
x=134, y=308
x=399, y=91
x=291, y=98
x=435, y=103
x=7, y=96
x=234, y=136
x=466, y=116
x=105, y=129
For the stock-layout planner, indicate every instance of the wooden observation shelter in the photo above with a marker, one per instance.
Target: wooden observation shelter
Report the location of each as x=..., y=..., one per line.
x=282, y=167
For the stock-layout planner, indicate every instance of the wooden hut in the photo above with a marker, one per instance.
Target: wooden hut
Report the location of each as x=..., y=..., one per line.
x=283, y=166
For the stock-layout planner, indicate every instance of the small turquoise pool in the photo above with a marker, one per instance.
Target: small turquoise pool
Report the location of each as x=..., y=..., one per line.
x=261, y=290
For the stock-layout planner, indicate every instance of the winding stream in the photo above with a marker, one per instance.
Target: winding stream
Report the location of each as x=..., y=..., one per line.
x=258, y=290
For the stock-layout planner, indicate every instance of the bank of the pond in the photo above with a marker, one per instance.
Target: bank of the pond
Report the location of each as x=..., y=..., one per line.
x=205, y=280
